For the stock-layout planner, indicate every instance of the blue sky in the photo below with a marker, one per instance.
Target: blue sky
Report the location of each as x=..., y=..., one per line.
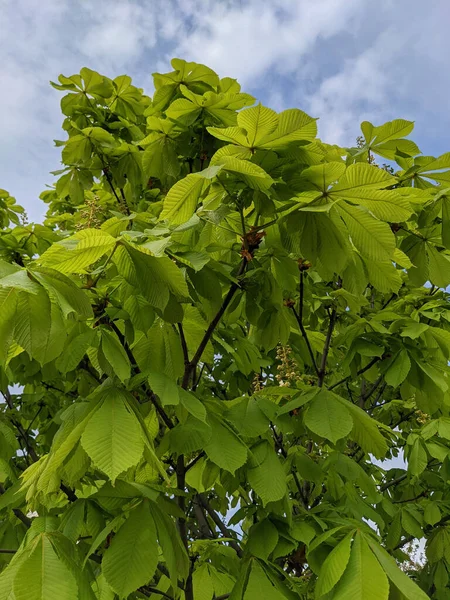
x=341, y=60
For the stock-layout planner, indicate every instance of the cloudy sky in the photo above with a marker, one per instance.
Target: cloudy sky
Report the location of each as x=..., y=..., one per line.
x=341, y=60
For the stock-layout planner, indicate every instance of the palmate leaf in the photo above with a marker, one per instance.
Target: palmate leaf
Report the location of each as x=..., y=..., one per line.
x=365, y=184
x=115, y=355
x=113, y=438
x=293, y=125
x=256, y=585
x=387, y=140
x=182, y=199
x=253, y=175
x=64, y=292
x=131, y=560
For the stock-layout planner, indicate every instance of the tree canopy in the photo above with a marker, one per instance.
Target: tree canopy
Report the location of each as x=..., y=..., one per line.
x=210, y=348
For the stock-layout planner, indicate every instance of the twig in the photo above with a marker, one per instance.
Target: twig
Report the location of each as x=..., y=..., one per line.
x=360, y=372
x=190, y=367
x=389, y=484
x=108, y=260
x=279, y=443
x=221, y=526
x=183, y=344
x=17, y=512
x=152, y=396
x=147, y=590
x=326, y=348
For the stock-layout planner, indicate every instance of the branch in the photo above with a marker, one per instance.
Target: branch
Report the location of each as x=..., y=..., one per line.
x=190, y=367
x=360, y=372
x=326, y=348
x=389, y=484
x=221, y=526
x=109, y=178
x=279, y=443
x=152, y=396
x=17, y=512
x=148, y=590
x=305, y=336
x=366, y=395
x=107, y=261
x=183, y=344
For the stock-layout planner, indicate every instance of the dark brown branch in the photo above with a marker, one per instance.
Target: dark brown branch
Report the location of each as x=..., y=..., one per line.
x=360, y=372
x=220, y=525
x=326, y=348
x=279, y=443
x=17, y=512
x=395, y=481
x=7, y=551
x=190, y=367
x=305, y=337
x=366, y=395
x=152, y=396
x=148, y=590
x=183, y=344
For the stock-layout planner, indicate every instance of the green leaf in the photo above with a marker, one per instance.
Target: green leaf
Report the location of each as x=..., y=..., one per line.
x=182, y=199
x=115, y=354
x=262, y=539
x=259, y=585
x=365, y=431
x=371, y=237
x=63, y=291
x=43, y=575
x=113, y=438
x=225, y=448
x=328, y=418
x=334, y=566
x=258, y=122
x=131, y=560
x=363, y=579
x=76, y=253
x=202, y=583
x=417, y=460
x=432, y=514
x=398, y=369
x=165, y=388
x=266, y=474
x=402, y=582
x=156, y=277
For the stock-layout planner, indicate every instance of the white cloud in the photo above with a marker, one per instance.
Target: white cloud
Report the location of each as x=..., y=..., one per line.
x=244, y=39
x=341, y=60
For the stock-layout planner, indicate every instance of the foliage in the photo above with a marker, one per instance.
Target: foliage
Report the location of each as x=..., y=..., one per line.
x=221, y=331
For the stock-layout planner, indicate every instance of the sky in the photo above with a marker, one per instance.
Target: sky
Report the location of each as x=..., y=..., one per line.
x=343, y=61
